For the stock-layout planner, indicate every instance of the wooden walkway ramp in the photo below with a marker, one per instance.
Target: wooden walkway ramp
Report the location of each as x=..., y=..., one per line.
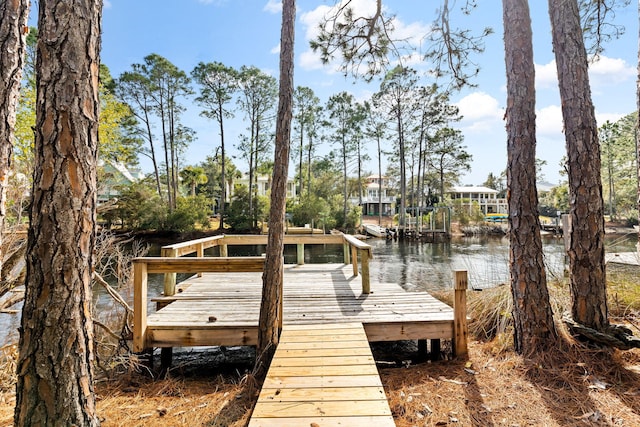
x=322, y=375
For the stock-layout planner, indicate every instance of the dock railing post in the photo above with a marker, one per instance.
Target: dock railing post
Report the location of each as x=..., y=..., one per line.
x=169, y=278
x=346, y=253
x=366, y=284
x=224, y=252
x=460, y=327
x=300, y=253
x=200, y=254
x=139, y=306
x=354, y=260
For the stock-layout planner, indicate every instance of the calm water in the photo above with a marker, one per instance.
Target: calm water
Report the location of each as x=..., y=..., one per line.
x=415, y=266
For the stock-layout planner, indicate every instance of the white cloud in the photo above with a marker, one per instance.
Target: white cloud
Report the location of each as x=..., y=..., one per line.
x=611, y=117
x=607, y=71
x=273, y=6
x=414, y=33
x=276, y=49
x=310, y=61
x=546, y=75
x=603, y=72
x=549, y=121
x=106, y=4
x=481, y=112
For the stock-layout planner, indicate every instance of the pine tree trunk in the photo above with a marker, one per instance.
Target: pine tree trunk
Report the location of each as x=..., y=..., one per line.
x=586, y=247
x=55, y=364
x=272, y=277
x=13, y=31
x=638, y=127
x=534, y=329
x=223, y=167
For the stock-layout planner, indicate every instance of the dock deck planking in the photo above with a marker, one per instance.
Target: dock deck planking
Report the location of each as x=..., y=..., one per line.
x=326, y=388
x=223, y=308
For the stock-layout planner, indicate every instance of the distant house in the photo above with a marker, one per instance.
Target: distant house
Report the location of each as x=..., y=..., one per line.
x=486, y=198
x=376, y=193
x=264, y=185
x=114, y=175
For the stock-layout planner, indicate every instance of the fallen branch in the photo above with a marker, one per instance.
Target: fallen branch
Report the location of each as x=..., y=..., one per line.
x=617, y=336
x=114, y=294
x=106, y=329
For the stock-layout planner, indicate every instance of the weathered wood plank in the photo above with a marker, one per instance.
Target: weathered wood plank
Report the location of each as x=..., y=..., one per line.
x=191, y=337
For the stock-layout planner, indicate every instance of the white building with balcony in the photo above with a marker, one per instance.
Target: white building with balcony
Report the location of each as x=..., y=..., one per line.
x=375, y=196
x=264, y=185
x=486, y=198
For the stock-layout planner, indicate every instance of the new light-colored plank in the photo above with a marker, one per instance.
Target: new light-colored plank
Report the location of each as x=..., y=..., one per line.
x=324, y=393
x=321, y=361
x=313, y=389
x=339, y=408
x=325, y=381
x=323, y=352
x=310, y=371
x=353, y=421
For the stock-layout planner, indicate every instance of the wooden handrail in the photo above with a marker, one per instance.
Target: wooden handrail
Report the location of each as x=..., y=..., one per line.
x=352, y=248
x=192, y=245
x=366, y=253
x=202, y=264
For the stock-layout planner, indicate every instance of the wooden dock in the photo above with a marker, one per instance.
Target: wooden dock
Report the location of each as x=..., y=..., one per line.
x=322, y=374
x=223, y=308
x=221, y=304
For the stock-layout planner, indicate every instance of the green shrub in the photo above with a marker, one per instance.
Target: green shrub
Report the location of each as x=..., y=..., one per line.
x=239, y=216
x=140, y=208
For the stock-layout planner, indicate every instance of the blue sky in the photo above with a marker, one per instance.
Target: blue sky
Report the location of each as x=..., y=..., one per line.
x=246, y=32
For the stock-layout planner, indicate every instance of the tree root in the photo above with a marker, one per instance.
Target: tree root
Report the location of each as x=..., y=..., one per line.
x=617, y=336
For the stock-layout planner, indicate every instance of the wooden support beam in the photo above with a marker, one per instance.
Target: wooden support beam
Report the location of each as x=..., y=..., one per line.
x=139, y=306
x=166, y=360
x=200, y=254
x=435, y=350
x=422, y=350
x=300, y=253
x=169, y=277
x=347, y=253
x=354, y=260
x=224, y=252
x=460, y=327
x=366, y=283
